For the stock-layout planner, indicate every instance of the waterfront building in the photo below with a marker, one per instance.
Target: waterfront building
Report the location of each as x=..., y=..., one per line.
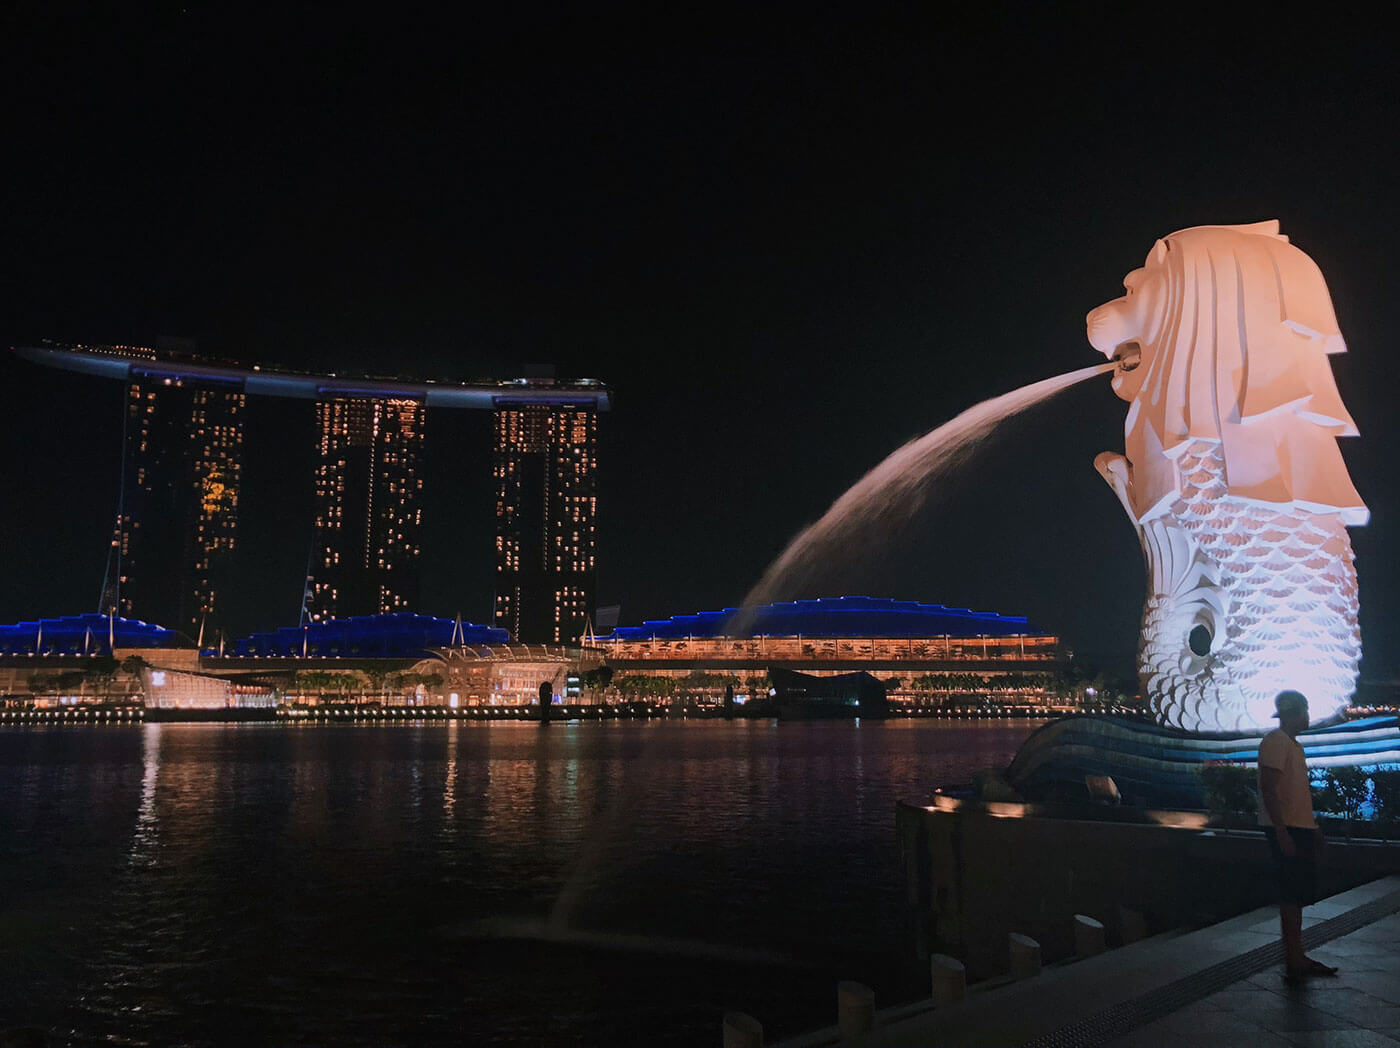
x=76, y=660
x=546, y=519
x=171, y=690
x=926, y=654
x=399, y=660
x=404, y=660
x=368, y=514
x=177, y=518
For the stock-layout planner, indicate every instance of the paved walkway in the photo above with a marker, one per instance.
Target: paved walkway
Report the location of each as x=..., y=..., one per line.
x=1220, y=985
x=1358, y=1009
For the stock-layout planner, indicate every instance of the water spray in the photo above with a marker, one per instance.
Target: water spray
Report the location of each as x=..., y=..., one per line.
x=894, y=490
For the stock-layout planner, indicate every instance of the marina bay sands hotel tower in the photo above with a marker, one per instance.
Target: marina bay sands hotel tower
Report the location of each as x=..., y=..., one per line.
x=176, y=534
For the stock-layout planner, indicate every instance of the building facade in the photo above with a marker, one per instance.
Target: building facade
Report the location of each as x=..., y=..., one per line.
x=368, y=511
x=546, y=520
x=177, y=523
x=400, y=660
x=926, y=654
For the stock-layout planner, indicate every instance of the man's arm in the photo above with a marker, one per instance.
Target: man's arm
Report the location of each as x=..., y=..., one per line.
x=1273, y=807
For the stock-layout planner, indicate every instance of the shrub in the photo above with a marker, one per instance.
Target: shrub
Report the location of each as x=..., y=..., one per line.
x=1229, y=788
x=1386, y=793
x=1353, y=787
x=1326, y=797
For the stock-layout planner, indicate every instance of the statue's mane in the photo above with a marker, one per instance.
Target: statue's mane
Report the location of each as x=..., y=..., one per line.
x=1238, y=356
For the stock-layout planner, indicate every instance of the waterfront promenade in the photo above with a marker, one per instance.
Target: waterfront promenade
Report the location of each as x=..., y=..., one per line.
x=374, y=714
x=1358, y=1009
x=1219, y=985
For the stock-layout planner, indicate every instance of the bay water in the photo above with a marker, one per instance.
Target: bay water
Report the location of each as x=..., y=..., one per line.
x=611, y=883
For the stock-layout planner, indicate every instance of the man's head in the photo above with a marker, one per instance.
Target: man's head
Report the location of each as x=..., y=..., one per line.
x=1291, y=709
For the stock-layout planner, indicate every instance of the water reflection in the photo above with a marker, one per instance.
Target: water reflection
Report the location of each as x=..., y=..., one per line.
x=449, y=789
x=143, y=841
x=199, y=884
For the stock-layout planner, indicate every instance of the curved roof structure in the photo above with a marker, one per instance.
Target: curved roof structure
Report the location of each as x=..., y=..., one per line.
x=512, y=652
x=136, y=362
x=400, y=635
x=90, y=634
x=835, y=617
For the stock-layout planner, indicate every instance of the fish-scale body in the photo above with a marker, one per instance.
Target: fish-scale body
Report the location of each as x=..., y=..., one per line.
x=1275, y=591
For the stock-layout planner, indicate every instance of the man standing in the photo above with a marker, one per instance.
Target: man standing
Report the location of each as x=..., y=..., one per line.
x=1286, y=814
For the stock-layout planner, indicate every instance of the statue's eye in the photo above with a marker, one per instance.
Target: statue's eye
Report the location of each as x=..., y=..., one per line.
x=1200, y=641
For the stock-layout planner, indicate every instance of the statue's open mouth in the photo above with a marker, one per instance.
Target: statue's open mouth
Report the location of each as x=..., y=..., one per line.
x=1128, y=356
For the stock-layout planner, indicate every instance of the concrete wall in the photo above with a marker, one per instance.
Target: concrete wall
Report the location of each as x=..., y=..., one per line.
x=973, y=876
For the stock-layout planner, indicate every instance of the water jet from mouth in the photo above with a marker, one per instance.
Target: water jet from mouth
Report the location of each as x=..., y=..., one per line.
x=895, y=489
x=1128, y=356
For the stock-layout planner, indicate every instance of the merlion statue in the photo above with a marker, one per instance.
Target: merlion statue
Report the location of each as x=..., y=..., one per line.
x=1233, y=477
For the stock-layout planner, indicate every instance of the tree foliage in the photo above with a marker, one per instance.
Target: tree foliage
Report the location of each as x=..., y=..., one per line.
x=635, y=686
x=1229, y=788
x=325, y=680
x=598, y=678
x=412, y=681
x=1385, y=793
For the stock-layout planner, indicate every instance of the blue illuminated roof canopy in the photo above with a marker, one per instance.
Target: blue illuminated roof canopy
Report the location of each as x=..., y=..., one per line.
x=88, y=634
x=834, y=617
x=400, y=635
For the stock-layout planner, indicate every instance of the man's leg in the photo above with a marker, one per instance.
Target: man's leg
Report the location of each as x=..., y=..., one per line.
x=1290, y=916
x=1299, y=886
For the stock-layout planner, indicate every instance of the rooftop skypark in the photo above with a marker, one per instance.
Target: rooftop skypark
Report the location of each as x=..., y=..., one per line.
x=133, y=363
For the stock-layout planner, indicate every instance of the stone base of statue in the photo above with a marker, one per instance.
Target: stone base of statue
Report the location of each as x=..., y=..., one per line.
x=1159, y=767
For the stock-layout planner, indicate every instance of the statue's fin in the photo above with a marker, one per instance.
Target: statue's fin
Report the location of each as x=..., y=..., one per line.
x=1114, y=470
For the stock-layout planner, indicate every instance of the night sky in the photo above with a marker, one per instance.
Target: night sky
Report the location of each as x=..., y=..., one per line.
x=788, y=244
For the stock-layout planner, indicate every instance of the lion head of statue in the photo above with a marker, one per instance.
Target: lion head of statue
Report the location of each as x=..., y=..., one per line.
x=1230, y=328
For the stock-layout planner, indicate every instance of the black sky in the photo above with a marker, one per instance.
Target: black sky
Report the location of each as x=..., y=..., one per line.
x=789, y=243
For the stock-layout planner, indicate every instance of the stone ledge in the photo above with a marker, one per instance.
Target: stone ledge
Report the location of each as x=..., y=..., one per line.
x=1079, y=993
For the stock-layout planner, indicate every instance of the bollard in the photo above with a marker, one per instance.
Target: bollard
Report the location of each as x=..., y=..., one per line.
x=855, y=1008
x=949, y=979
x=1132, y=925
x=1088, y=936
x=1025, y=956
x=742, y=1031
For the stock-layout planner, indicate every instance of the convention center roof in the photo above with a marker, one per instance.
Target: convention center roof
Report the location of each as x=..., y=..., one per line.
x=400, y=635
x=833, y=617
x=90, y=634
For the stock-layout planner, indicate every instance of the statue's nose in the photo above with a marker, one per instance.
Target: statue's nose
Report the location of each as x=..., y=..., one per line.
x=1099, y=324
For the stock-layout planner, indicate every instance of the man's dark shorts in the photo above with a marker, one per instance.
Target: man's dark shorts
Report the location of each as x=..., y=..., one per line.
x=1297, y=874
